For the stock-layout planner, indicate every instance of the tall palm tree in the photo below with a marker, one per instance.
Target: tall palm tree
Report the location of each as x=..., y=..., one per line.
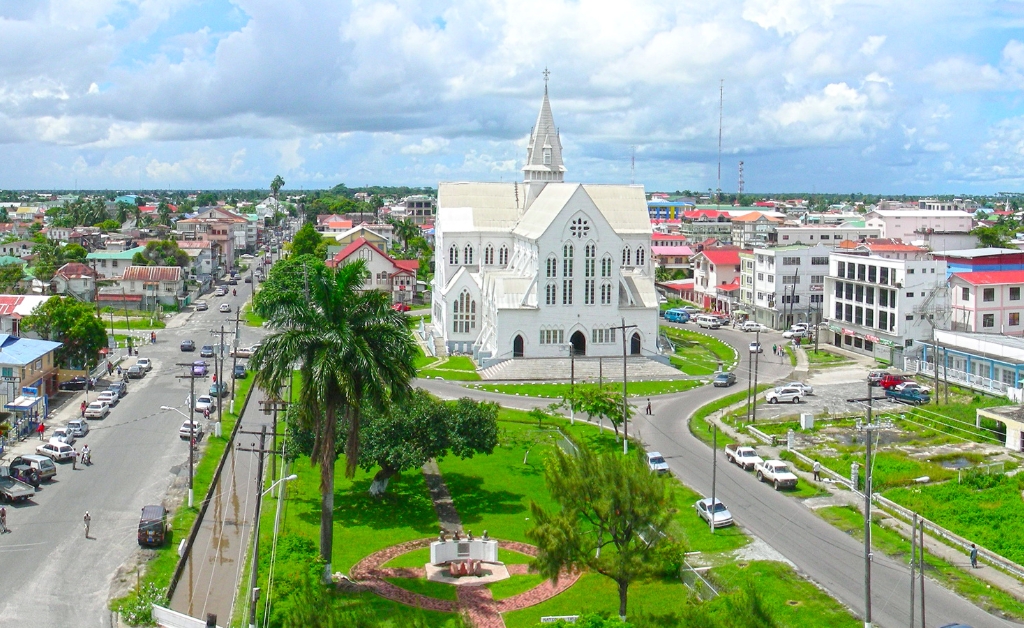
x=276, y=185
x=351, y=349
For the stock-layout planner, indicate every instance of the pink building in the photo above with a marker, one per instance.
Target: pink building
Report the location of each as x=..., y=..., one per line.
x=987, y=302
x=716, y=275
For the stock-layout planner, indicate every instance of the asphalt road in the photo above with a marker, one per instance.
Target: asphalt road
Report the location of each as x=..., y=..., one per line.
x=827, y=556
x=51, y=575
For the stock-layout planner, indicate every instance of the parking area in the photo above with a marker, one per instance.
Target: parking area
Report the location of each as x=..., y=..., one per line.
x=832, y=389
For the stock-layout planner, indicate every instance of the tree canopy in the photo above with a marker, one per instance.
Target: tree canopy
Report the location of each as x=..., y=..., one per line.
x=73, y=323
x=162, y=253
x=306, y=240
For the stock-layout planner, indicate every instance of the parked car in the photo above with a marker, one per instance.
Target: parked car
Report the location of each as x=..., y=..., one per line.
x=724, y=380
x=720, y=514
x=755, y=347
x=12, y=489
x=745, y=457
x=239, y=372
x=188, y=345
x=783, y=394
x=201, y=306
x=776, y=472
x=806, y=389
x=190, y=428
x=677, y=316
x=225, y=307
x=892, y=380
x=56, y=451
x=199, y=368
x=40, y=465
x=752, y=326
x=23, y=474
x=206, y=351
x=204, y=403
x=875, y=377
x=691, y=310
x=912, y=386
x=795, y=333
x=108, y=397
x=233, y=280
x=119, y=387
x=708, y=322
x=216, y=390
x=78, y=427
x=400, y=307
x=799, y=327
x=245, y=352
x=152, y=526
x=97, y=410
x=656, y=462
x=135, y=372
x=62, y=435
x=911, y=396
x=78, y=382
x=145, y=363
x=248, y=279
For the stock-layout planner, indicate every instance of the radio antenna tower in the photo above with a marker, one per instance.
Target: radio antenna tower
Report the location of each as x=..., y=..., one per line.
x=739, y=188
x=632, y=166
x=721, y=101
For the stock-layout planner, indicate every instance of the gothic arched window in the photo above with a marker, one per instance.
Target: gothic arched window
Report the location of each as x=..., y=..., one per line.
x=567, y=252
x=606, y=266
x=551, y=267
x=453, y=255
x=489, y=255
x=503, y=255
x=468, y=254
x=464, y=314
x=640, y=256
x=627, y=256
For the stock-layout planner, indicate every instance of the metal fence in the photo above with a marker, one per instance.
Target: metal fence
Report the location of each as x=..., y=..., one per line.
x=697, y=583
x=961, y=378
x=981, y=469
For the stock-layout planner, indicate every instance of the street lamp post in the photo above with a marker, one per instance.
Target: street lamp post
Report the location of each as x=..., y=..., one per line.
x=191, y=449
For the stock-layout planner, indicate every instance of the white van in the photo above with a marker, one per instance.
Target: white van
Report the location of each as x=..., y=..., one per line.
x=708, y=322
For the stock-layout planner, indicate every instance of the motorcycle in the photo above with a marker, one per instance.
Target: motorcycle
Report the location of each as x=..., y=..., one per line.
x=87, y=457
x=234, y=292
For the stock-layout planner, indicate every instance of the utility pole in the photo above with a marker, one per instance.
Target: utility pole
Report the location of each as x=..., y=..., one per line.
x=935, y=363
x=254, y=569
x=218, y=370
x=757, y=357
x=625, y=417
x=714, y=472
x=191, y=427
x=234, y=357
x=913, y=566
x=867, y=516
x=921, y=571
x=273, y=405
x=945, y=373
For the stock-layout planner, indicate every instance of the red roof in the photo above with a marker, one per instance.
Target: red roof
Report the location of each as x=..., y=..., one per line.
x=403, y=265
x=677, y=237
x=729, y=287
x=684, y=251
x=894, y=248
x=704, y=213
x=993, y=277
x=722, y=257
x=74, y=270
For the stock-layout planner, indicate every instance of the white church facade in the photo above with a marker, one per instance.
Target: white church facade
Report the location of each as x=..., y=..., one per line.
x=528, y=270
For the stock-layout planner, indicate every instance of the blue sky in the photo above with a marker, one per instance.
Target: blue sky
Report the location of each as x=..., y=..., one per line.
x=820, y=95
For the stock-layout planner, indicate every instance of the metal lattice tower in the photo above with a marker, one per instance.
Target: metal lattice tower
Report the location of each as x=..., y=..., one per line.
x=739, y=187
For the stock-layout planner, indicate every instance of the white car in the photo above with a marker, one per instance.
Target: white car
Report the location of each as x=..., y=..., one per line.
x=78, y=427
x=56, y=451
x=720, y=513
x=219, y=292
x=145, y=364
x=225, y=307
x=97, y=410
x=751, y=326
x=795, y=333
x=755, y=347
x=806, y=389
x=191, y=428
x=783, y=394
x=204, y=403
x=908, y=386
x=798, y=327
x=244, y=352
x=108, y=397
x=63, y=435
x=656, y=462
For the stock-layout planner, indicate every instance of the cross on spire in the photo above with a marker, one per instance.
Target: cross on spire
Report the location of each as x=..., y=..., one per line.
x=546, y=74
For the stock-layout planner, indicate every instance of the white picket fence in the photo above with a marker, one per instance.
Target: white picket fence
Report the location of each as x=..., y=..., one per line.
x=962, y=378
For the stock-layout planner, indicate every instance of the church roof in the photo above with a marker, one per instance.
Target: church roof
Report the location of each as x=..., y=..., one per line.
x=544, y=136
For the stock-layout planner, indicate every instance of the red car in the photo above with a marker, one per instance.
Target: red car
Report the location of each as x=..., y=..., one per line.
x=400, y=307
x=891, y=380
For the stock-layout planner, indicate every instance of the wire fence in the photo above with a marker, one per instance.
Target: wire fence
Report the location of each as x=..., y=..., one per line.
x=697, y=583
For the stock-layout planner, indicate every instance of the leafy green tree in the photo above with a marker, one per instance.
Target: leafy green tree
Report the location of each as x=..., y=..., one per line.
x=276, y=185
x=614, y=519
x=353, y=352
x=305, y=241
x=74, y=253
x=598, y=402
x=164, y=212
x=4, y=217
x=67, y=320
x=162, y=253
x=991, y=237
x=10, y=276
x=405, y=230
x=108, y=225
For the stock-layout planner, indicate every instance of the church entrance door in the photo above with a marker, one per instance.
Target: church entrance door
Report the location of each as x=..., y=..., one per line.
x=579, y=343
x=634, y=344
x=517, y=347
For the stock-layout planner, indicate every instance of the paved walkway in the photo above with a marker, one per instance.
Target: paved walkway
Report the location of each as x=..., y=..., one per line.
x=446, y=513
x=588, y=369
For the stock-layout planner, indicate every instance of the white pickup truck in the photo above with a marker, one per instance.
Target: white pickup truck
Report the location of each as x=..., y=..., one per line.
x=745, y=457
x=777, y=472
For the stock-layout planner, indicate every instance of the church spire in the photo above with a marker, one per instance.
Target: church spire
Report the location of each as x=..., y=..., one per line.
x=544, y=153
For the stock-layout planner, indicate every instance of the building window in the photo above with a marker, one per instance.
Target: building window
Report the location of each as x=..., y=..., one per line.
x=849, y=313
x=503, y=255
x=861, y=272
x=606, y=266
x=869, y=295
x=464, y=313
x=567, y=292
x=910, y=317
x=760, y=276
x=910, y=295
x=552, y=267
x=965, y=294
x=489, y=255
x=859, y=294
x=817, y=279
x=590, y=252
x=627, y=259
x=839, y=290
x=988, y=320
x=468, y=254
x=547, y=156
x=872, y=274
x=567, y=260
x=858, y=316
x=588, y=292
x=453, y=255
x=549, y=294
x=869, y=318
x=839, y=311
x=791, y=279
x=1015, y=318
x=1015, y=294
x=849, y=291
x=606, y=293
x=790, y=261
x=883, y=276
x=817, y=298
x=841, y=269
x=602, y=336
x=988, y=295
x=819, y=261
x=551, y=337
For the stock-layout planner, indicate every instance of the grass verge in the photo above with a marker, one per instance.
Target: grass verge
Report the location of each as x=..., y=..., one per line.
x=560, y=390
x=699, y=425
x=697, y=353
x=823, y=358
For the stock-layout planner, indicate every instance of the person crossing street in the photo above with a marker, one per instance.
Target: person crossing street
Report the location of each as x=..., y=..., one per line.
x=3, y=521
x=87, y=519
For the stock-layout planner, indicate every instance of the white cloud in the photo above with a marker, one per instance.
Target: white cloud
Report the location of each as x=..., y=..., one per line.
x=290, y=158
x=426, y=146
x=837, y=113
x=960, y=74
x=872, y=44
x=788, y=17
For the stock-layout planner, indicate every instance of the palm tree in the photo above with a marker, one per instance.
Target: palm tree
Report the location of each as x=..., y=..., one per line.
x=351, y=348
x=276, y=185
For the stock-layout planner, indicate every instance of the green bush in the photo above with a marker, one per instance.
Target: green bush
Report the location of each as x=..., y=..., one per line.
x=136, y=609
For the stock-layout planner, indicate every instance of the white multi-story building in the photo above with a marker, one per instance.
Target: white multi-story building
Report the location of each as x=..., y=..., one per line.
x=910, y=224
x=527, y=270
x=827, y=235
x=785, y=285
x=881, y=306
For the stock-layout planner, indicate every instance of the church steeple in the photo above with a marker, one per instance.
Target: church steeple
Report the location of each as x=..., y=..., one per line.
x=544, y=154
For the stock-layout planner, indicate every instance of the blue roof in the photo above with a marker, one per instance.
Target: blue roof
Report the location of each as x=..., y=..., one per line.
x=15, y=351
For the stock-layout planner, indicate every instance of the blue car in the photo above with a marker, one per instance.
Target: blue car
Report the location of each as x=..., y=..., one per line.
x=199, y=368
x=677, y=316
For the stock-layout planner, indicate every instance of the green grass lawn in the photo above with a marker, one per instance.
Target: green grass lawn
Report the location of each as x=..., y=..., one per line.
x=699, y=425
x=455, y=368
x=892, y=544
x=426, y=587
x=560, y=390
x=136, y=324
x=514, y=585
x=823, y=358
x=891, y=468
x=697, y=353
x=953, y=422
x=250, y=317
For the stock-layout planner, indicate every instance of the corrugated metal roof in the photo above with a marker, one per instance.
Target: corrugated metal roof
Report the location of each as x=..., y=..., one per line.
x=152, y=273
x=16, y=351
x=118, y=255
x=994, y=277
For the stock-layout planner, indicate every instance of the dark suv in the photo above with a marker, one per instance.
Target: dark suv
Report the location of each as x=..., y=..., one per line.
x=188, y=345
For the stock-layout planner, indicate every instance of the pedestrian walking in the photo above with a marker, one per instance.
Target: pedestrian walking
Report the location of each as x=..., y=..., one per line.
x=3, y=521
x=41, y=429
x=110, y=368
x=974, y=556
x=817, y=471
x=82, y=408
x=119, y=370
x=74, y=461
x=649, y=406
x=775, y=349
x=87, y=519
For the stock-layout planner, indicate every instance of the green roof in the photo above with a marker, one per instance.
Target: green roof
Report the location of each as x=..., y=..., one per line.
x=128, y=255
x=10, y=259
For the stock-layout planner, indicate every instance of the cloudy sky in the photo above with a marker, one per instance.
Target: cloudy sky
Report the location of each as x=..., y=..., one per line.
x=820, y=95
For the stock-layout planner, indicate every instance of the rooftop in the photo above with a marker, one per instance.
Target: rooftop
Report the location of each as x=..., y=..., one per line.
x=984, y=252
x=21, y=351
x=118, y=255
x=996, y=277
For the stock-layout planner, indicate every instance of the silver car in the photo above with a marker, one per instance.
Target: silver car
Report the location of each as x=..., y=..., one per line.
x=806, y=389
x=721, y=515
